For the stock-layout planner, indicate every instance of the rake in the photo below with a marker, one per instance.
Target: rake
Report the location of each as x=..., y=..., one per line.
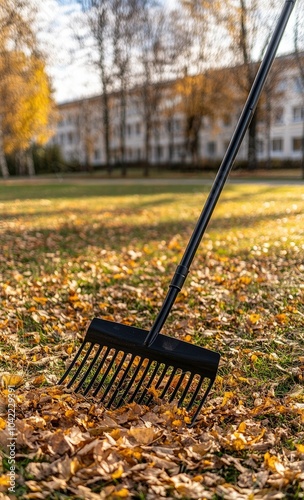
x=121, y=364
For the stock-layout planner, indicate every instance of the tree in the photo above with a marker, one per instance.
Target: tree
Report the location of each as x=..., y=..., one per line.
x=99, y=20
x=31, y=107
x=155, y=57
x=249, y=26
x=124, y=24
x=25, y=91
x=199, y=85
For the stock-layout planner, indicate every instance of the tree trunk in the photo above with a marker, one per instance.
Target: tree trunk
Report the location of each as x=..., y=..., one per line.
x=3, y=163
x=252, y=158
x=30, y=163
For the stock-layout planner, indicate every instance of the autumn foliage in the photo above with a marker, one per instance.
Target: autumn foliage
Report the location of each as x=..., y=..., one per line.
x=72, y=252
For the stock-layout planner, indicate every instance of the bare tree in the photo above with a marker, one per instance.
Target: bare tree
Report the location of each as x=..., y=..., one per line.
x=249, y=26
x=124, y=13
x=99, y=21
x=155, y=57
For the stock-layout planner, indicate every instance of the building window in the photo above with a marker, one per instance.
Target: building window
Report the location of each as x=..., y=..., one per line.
x=298, y=114
x=97, y=154
x=138, y=129
x=282, y=85
x=279, y=115
x=211, y=148
x=70, y=137
x=298, y=85
x=297, y=144
x=129, y=130
x=277, y=145
x=159, y=153
x=260, y=146
x=227, y=121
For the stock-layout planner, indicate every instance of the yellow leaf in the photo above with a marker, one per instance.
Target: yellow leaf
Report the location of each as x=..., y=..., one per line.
x=239, y=444
x=11, y=380
x=2, y=423
x=243, y=379
x=123, y=493
x=187, y=338
x=177, y=423
x=115, y=434
x=69, y=349
x=300, y=448
x=245, y=279
x=5, y=480
x=118, y=473
x=254, y=318
x=253, y=358
x=273, y=463
x=227, y=396
x=242, y=427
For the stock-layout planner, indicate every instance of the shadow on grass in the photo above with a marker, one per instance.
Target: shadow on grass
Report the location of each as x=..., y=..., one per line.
x=74, y=191
x=111, y=233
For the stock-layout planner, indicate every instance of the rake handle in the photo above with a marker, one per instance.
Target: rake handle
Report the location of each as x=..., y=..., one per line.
x=183, y=268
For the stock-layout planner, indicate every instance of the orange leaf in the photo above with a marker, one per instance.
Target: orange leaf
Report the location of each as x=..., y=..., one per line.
x=40, y=300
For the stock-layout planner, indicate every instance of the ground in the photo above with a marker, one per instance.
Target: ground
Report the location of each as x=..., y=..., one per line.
x=74, y=251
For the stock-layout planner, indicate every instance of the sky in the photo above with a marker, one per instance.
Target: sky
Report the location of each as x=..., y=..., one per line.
x=71, y=76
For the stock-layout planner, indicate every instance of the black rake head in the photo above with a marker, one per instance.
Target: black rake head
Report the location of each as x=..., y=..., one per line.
x=114, y=365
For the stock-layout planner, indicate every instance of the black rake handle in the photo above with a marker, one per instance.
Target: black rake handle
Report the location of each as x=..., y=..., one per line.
x=183, y=268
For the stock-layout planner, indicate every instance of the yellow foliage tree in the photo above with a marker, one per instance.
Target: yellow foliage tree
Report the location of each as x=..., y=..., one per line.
x=204, y=95
x=26, y=104
x=30, y=116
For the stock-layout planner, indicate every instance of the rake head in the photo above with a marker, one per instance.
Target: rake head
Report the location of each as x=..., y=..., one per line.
x=114, y=365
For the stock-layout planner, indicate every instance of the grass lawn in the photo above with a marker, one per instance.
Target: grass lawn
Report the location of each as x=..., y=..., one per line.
x=72, y=252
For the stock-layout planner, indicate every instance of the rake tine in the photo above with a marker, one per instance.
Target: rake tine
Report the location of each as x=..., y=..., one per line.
x=185, y=391
x=71, y=382
x=160, y=379
x=104, y=375
x=104, y=357
x=194, y=395
x=168, y=383
x=88, y=370
x=64, y=376
x=181, y=378
x=121, y=381
x=201, y=402
x=149, y=382
x=110, y=384
x=142, y=378
x=130, y=383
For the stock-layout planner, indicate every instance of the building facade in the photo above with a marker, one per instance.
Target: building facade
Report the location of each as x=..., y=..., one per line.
x=280, y=126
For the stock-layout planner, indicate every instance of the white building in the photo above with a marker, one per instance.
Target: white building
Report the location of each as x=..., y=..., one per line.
x=80, y=131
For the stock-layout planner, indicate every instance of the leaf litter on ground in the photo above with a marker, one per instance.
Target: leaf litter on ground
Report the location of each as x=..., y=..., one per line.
x=244, y=298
